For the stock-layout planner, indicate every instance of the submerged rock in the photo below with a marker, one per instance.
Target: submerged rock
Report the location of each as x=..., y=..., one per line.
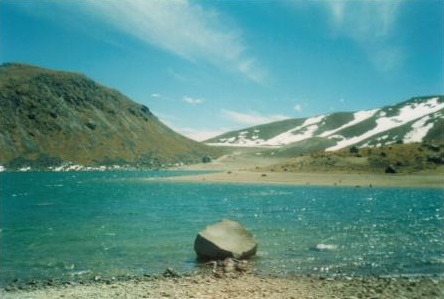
x=324, y=247
x=226, y=238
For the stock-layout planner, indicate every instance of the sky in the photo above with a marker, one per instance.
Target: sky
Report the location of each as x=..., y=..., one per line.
x=208, y=67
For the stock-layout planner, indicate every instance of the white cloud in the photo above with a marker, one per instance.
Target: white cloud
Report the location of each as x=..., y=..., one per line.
x=250, y=69
x=181, y=27
x=198, y=134
x=155, y=95
x=193, y=101
x=387, y=58
x=252, y=117
x=371, y=25
x=364, y=20
x=298, y=107
x=337, y=10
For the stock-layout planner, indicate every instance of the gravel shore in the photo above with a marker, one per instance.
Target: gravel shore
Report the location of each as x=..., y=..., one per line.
x=241, y=286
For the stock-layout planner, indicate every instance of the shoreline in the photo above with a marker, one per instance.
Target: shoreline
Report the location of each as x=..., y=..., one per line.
x=339, y=179
x=240, y=285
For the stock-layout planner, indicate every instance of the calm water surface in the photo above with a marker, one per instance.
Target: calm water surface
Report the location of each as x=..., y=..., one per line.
x=80, y=224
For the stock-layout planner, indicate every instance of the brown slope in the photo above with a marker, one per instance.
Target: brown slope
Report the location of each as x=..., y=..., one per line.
x=48, y=117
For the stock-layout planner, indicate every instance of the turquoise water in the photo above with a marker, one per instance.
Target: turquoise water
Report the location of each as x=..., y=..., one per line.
x=78, y=224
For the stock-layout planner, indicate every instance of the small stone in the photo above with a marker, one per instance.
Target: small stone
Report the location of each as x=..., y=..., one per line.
x=170, y=272
x=229, y=265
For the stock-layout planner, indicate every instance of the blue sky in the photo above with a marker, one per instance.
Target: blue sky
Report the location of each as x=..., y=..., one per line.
x=206, y=67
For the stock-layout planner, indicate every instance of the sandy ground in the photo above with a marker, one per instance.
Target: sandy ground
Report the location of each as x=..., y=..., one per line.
x=244, y=286
x=237, y=168
x=317, y=179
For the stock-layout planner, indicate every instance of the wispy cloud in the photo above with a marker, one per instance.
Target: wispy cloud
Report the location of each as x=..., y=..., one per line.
x=251, y=70
x=369, y=20
x=200, y=134
x=252, y=117
x=371, y=25
x=298, y=107
x=193, y=101
x=184, y=28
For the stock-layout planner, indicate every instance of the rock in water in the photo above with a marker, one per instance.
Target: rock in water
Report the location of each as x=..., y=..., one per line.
x=226, y=238
x=324, y=247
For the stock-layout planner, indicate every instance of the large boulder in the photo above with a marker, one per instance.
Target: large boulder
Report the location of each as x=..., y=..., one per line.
x=226, y=238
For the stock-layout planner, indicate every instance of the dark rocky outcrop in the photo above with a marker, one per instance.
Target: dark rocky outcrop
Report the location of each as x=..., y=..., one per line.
x=436, y=158
x=226, y=238
x=206, y=159
x=390, y=169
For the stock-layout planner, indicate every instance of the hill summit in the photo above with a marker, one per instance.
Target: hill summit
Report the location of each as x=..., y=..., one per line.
x=51, y=117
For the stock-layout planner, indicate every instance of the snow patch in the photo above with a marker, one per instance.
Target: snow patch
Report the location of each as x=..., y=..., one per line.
x=313, y=120
x=358, y=117
x=304, y=131
x=410, y=112
x=406, y=114
x=257, y=144
x=290, y=136
x=419, y=130
x=241, y=140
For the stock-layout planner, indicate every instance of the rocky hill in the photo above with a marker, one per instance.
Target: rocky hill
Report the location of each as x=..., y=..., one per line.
x=415, y=120
x=49, y=118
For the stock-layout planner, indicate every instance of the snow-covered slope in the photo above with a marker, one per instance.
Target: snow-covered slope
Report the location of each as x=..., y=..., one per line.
x=411, y=121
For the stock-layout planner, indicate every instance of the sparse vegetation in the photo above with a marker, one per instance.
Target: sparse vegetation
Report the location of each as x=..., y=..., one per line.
x=51, y=117
x=399, y=158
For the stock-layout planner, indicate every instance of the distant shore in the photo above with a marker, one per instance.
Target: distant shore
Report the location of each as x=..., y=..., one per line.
x=242, y=286
x=419, y=180
x=241, y=167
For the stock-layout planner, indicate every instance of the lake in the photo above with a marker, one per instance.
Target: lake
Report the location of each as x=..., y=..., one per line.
x=82, y=224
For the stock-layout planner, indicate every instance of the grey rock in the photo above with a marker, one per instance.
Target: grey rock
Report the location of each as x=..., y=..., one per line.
x=169, y=272
x=226, y=238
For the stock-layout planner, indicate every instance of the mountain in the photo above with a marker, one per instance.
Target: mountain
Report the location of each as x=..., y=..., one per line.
x=48, y=118
x=415, y=120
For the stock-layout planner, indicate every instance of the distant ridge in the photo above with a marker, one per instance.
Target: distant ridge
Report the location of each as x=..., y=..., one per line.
x=52, y=117
x=415, y=120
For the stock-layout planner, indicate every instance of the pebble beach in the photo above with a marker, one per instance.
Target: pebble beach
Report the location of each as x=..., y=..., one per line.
x=244, y=285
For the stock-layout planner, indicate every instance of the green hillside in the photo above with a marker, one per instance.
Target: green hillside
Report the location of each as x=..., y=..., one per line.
x=50, y=117
x=415, y=120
